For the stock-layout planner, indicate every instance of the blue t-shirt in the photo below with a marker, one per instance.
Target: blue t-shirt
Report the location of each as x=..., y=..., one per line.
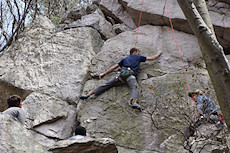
x=133, y=61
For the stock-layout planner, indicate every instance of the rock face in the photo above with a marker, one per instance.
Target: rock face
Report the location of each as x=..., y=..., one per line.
x=115, y=10
x=15, y=138
x=155, y=13
x=49, y=67
x=42, y=66
x=86, y=145
x=164, y=76
x=73, y=15
x=97, y=21
x=207, y=138
x=49, y=117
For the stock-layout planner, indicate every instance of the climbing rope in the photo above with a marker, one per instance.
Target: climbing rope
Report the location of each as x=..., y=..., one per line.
x=177, y=45
x=139, y=23
x=174, y=41
x=193, y=103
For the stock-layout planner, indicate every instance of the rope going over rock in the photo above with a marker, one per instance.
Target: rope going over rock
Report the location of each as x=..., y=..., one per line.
x=176, y=44
x=174, y=41
x=139, y=24
x=178, y=51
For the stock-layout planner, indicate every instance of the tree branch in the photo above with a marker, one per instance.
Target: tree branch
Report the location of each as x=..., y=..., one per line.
x=16, y=30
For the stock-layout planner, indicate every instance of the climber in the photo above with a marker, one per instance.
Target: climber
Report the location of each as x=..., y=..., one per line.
x=205, y=106
x=205, y=109
x=14, y=108
x=129, y=70
x=80, y=132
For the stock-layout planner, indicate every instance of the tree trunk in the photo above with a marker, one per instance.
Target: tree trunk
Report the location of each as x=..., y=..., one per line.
x=215, y=60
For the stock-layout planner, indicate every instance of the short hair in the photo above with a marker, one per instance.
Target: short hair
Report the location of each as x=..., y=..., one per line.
x=80, y=131
x=14, y=101
x=133, y=50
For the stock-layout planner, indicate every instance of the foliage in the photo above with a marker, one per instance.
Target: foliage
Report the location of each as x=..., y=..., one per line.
x=55, y=9
x=198, y=65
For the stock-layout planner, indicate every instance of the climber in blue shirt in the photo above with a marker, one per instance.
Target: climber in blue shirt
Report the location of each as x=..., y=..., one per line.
x=129, y=70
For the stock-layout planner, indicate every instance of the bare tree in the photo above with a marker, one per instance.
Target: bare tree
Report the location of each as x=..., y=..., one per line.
x=13, y=14
x=217, y=64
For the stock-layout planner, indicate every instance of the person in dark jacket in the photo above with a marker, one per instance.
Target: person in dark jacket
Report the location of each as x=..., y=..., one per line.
x=80, y=132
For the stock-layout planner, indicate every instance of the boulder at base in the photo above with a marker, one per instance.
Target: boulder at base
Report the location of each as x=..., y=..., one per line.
x=85, y=145
x=15, y=138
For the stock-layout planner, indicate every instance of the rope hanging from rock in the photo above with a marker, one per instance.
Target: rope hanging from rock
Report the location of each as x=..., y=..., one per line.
x=174, y=41
x=139, y=23
x=178, y=50
x=177, y=45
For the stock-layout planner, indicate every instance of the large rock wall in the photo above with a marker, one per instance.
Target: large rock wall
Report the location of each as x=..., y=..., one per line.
x=126, y=13
x=155, y=13
x=110, y=114
x=51, y=63
x=49, y=67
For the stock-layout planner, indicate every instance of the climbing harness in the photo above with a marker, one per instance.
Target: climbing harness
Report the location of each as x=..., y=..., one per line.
x=126, y=72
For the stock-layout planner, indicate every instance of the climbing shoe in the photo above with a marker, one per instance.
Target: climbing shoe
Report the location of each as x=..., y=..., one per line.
x=84, y=97
x=131, y=102
x=136, y=106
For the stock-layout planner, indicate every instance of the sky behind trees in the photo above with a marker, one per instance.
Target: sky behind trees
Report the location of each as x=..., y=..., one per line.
x=16, y=14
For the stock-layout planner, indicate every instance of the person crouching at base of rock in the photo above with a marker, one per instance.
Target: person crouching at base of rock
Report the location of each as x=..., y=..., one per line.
x=205, y=107
x=14, y=108
x=80, y=132
x=206, y=112
x=129, y=70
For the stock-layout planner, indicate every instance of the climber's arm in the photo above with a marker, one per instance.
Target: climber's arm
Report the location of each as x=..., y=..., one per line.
x=154, y=57
x=111, y=69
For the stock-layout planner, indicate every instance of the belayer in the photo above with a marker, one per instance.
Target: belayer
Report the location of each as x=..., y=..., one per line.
x=129, y=70
x=205, y=106
x=205, y=111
